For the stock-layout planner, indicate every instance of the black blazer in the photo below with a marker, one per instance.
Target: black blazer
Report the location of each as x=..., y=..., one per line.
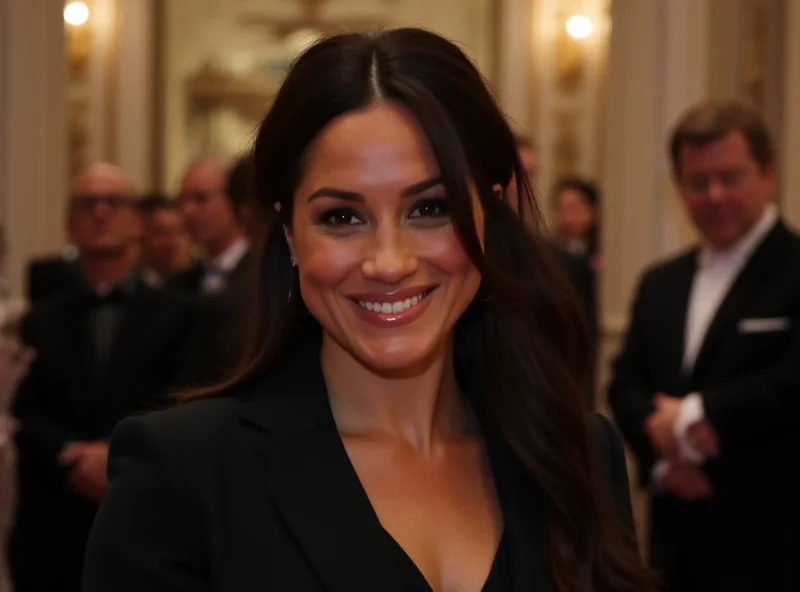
x=255, y=491
x=191, y=279
x=750, y=385
x=49, y=275
x=61, y=401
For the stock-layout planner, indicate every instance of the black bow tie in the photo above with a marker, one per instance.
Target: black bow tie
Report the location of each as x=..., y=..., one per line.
x=115, y=296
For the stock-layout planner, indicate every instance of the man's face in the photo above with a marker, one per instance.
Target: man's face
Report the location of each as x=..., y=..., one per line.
x=208, y=212
x=162, y=240
x=102, y=217
x=724, y=188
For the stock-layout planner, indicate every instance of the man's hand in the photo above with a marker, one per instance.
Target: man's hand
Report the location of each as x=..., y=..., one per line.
x=660, y=425
x=687, y=482
x=89, y=462
x=703, y=438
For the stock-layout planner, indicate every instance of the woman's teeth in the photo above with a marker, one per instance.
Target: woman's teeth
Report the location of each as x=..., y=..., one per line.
x=393, y=307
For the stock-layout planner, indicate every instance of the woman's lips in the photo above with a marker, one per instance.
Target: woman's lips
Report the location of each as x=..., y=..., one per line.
x=398, y=308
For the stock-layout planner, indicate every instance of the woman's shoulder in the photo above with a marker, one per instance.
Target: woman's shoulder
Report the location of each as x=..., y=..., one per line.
x=199, y=416
x=194, y=428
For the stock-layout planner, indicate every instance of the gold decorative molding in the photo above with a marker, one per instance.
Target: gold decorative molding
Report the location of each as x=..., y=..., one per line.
x=570, y=54
x=754, y=66
x=570, y=63
x=566, y=144
x=78, y=44
x=212, y=88
x=309, y=17
x=78, y=137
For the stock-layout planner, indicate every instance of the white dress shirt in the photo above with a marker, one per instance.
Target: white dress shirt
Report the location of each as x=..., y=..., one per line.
x=716, y=273
x=217, y=270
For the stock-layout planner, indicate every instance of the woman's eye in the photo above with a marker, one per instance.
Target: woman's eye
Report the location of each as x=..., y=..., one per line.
x=341, y=217
x=429, y=208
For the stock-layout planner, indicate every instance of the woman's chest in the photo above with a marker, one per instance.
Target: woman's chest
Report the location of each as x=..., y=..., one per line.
x=442, y=511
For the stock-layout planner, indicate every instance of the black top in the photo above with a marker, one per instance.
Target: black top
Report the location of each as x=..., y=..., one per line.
x=498, y=580
x=256, y=491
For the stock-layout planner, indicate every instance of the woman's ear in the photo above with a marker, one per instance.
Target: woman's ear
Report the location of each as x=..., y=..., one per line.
x=287, y=233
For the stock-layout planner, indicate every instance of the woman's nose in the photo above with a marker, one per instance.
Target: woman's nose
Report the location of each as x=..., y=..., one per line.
x=391, y=257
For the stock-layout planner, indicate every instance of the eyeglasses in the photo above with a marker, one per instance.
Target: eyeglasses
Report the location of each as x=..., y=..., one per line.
x=87, y=203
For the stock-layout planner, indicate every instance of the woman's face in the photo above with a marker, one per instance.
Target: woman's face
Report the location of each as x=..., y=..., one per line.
x=574, y=215
x=379, y=262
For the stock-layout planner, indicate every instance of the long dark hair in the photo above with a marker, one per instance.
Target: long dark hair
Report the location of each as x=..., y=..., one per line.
x=524, y=343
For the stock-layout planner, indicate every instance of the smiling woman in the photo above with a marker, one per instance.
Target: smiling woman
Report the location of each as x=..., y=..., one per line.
x=374, y=244
x=410, y=415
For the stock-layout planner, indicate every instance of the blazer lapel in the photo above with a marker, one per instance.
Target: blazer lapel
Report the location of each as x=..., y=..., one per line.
x=139, y=312
x=675, y=309
x=76, y=332
x=748, y=284
x=313, y=484
x=138, y=319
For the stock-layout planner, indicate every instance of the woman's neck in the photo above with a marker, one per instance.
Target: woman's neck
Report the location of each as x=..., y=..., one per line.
x=419, y=407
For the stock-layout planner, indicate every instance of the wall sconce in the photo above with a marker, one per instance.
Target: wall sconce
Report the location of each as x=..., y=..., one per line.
x=78, y=39
x=76, y=13
x=579, y=26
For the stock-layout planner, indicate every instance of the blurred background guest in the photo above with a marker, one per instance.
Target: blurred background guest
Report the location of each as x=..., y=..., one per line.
x=105, y=348
x=215, y=224
x=163, y=237
x=577, y=213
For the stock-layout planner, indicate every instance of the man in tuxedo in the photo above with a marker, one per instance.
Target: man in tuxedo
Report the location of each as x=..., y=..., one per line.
x=706, y=389
x=215, y=200
x=104, y=349
x=214, y=223
x=49, y=275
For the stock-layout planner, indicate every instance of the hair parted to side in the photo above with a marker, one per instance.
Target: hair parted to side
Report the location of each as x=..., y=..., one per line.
x=710, y=121
x=526, y=348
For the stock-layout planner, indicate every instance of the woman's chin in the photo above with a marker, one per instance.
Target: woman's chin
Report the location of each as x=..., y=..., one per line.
x=396, y=356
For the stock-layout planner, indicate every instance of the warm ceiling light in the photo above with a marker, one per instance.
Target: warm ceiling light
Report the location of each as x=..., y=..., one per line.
x=579, y=26
x=76, y=13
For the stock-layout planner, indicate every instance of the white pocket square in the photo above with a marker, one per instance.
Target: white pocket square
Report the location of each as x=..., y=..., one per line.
x=765, y=325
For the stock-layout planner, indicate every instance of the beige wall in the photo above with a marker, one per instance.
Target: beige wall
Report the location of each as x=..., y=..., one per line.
x=33, y=138
x=791, y=139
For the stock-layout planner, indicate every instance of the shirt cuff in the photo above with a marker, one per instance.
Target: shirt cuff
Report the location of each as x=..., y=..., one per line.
x=690, y=413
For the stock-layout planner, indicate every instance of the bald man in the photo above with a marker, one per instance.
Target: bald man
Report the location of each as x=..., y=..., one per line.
x=215, y=223
x=106, y=348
